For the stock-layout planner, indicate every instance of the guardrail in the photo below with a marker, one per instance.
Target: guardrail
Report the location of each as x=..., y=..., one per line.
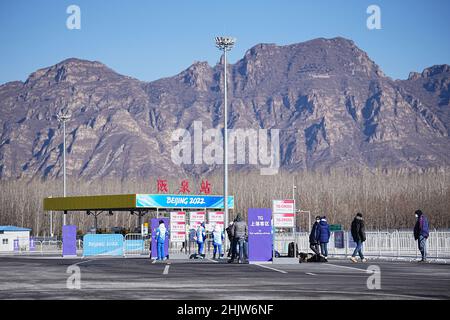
x=390, y=244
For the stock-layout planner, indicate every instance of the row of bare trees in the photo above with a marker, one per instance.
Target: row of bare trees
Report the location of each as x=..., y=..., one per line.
x=387, y=200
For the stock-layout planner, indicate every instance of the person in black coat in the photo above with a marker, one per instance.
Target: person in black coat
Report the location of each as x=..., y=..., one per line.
x=314, y=237
x=359, y=236
x=229, y=231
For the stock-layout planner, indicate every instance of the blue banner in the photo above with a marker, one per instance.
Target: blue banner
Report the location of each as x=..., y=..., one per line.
x=181, y=201
x=134, y=245
x=103, y=244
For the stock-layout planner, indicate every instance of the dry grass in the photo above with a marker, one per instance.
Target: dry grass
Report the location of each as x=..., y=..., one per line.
x=387, y=200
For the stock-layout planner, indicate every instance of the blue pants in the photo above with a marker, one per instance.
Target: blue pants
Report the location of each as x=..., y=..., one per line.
x=160, y=248
x=241, y=245
x=217, y=249
x=423, y=247
x=358, y=250
x=324, y=249
x=200, y=247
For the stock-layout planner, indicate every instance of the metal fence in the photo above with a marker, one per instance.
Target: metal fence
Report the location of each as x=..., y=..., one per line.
x=134, y=245
x=385, y=244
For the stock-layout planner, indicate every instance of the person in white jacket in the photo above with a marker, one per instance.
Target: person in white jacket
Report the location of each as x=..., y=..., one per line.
x=218, y=237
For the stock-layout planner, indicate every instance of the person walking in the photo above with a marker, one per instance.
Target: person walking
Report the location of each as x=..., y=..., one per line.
x=201, y=237
x=358, y=231
x=240, y=233
x=161, y=234
x=324, y=236
x=218, y=237
x=421, y=233
x=314, y=237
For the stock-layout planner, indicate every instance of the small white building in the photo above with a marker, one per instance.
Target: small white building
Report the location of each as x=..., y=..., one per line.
x=10, y=235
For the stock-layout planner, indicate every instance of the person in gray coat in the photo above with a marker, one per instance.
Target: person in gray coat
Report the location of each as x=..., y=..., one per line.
x=240, y=234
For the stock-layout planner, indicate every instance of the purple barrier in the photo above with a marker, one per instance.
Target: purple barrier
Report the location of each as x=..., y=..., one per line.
x=259, y=234
x=69, y=238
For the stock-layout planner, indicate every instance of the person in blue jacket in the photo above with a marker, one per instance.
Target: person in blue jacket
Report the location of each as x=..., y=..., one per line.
x=218, y=236
x=201, y=236
x=314, y=237
x=161, y=234
x=324, y=236
x=421, y=233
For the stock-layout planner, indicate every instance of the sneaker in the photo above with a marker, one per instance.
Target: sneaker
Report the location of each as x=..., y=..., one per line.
x=364, y=260
x=354, y=259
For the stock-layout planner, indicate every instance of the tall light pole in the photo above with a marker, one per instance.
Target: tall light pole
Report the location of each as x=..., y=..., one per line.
x=225, y=44
x=64, y=117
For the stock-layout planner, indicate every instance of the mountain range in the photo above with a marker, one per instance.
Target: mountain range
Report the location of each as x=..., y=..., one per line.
x=333, y=105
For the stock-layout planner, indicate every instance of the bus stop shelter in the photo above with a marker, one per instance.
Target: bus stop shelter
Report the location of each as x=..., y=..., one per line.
x=138, y=204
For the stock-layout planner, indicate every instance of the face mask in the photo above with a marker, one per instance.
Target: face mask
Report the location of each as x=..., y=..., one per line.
x=417, y=215
x=317, y=221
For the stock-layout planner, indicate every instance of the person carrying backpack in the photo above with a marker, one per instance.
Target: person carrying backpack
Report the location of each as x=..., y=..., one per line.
x=161, y=234
x=324, y=236
x=358, y=231
x=314, y=237
x=421, y=233
x=218, y=237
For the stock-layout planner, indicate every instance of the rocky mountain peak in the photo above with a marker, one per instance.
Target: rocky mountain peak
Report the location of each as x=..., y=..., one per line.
x=198, y=75
x=70, y=71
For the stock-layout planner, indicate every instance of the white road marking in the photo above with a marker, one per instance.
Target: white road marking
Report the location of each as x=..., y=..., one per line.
x=345, y=267
x=166, y=269
x=311, y=274
x=266, y=267
x=212, y=260
x=81, y=262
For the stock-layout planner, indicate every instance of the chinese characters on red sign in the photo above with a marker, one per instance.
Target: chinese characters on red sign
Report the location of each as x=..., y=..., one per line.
x=162, y=187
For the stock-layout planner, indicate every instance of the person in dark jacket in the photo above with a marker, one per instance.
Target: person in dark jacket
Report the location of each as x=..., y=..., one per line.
x=421, y=233
x=358, y=231
x=324, y=236
x=229, y=230
x=240, y=234
x=314, y=237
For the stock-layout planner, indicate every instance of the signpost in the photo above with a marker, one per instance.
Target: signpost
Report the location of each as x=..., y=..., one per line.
x=196, y=218
x=217, y=218
x=69, y=238
x=259, y=234
x=335, y=227
x=178, y=226
x=284, y=217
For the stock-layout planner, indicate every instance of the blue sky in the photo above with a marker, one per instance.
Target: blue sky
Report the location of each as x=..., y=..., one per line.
x=153, y=39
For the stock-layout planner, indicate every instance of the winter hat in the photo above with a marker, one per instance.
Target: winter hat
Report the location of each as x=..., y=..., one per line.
x=359, y=214
x=161, y=221
x=317, y=217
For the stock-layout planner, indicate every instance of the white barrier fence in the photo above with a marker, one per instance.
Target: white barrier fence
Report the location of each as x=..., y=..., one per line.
x=390, y=244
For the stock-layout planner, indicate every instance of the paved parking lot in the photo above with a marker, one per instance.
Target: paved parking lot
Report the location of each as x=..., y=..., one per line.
x=128, y=278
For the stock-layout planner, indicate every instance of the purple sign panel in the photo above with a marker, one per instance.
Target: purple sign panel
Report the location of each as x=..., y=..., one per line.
x=69, y=238
x=155, y=225
x=259, y=234
x=16, y=244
